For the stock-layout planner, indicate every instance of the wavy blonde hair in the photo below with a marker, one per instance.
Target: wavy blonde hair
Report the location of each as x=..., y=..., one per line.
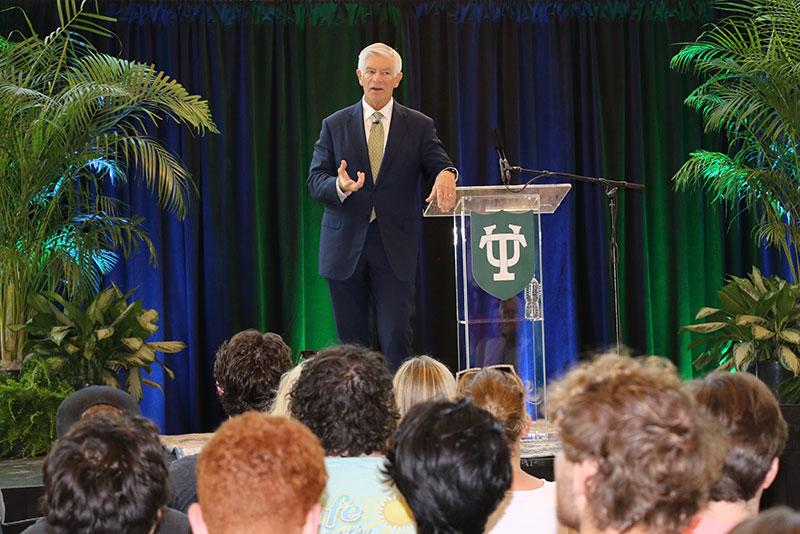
x=420, y=379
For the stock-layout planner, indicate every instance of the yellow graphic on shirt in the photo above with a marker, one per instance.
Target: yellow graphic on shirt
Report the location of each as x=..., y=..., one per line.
x=348, y=515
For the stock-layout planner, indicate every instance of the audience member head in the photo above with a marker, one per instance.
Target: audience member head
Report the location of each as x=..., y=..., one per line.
x=92, y=401
x=754, y=427
x=344, y=395
x=451, y=462
x=420, y=379
x=778, y=520
x=636, y=452
x=499, y=391
x=247, y=370
x=280, y=405
x=259, y=473
x=106, y=474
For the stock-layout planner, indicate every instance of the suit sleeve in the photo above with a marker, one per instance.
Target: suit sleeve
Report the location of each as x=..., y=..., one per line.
x=434, y=157
x=322, y=175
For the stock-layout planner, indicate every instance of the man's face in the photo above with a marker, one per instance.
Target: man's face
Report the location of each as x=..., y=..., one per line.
x=567, y=502
x=378, y=80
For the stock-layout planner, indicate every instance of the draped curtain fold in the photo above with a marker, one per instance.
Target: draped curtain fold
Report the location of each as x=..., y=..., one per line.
x=580, y=87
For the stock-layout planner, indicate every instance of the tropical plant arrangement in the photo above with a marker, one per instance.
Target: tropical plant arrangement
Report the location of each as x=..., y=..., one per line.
x=758, y=320
x=749, y=65
x=102, y=342
x=74, y=124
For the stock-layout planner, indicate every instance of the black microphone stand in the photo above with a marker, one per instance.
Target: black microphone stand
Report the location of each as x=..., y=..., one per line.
x=612, y=187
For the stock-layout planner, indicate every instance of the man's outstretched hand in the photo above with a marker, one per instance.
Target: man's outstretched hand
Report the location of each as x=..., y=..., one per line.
x=347, y=184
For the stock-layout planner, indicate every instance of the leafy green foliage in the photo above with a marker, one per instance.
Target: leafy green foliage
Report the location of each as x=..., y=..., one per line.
x=758, y=320
x=28, y=407
x=72, y=121
x=750, y=64
x=103, y=341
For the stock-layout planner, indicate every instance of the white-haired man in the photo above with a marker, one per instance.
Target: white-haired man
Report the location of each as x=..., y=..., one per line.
x=366, y=169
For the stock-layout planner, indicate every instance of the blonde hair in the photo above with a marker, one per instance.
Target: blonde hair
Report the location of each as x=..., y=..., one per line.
x=420, y=379
x=280, y=406
x=502, y=394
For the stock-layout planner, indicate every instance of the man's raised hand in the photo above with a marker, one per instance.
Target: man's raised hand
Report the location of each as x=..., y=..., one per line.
x=347, y=184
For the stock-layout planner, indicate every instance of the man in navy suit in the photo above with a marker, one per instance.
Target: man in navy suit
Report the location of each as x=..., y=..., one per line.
x=370, y=228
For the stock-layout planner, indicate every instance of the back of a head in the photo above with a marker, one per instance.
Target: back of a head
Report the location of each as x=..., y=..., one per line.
x=779, y=520
x=248, y=368
x=92, y=401
x=452, y=464
x=259, y=473
x=344, y=395
x=656, y=455
x=106, y=474
x=502, y=394
x=752, y=422
x=420, y=379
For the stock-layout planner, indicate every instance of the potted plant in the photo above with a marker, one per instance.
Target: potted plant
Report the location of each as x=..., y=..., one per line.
x=104, y=341
x=72, y=122
x=758, y=320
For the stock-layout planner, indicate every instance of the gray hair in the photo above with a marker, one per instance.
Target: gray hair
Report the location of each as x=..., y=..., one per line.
x=380, y=49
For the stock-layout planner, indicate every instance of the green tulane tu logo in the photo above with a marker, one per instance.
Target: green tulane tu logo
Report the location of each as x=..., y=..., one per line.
x=503, y=252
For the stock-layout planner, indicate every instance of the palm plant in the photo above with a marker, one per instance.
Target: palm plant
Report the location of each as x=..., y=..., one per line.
x=750, y=63
x=73, y=124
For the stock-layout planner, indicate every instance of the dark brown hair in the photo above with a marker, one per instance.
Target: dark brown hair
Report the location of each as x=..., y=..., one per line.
x=656, y=454
x=248, y=369
x=753, y=425
x=344, y=395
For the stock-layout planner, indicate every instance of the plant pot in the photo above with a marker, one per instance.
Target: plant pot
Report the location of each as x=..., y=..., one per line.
x=772, y=373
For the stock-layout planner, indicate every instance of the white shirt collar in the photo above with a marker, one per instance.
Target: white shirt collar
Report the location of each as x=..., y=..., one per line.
x=386, y=110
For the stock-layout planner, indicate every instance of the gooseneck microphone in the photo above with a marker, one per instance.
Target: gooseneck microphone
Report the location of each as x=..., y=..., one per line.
x=505, y=168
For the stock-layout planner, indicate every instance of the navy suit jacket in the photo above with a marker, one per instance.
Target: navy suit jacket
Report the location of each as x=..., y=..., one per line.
x=412, y=150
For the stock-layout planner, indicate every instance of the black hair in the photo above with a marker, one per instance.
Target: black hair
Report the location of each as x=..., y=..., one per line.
x=344, y=395
x=451, y=462
x=106, y=474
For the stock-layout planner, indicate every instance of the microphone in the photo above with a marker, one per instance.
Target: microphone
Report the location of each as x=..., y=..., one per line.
x=505, y=169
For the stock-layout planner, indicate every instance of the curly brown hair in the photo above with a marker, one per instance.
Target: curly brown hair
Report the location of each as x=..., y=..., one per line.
x=260, y=467
x=752, y=422
x=344, y=395
x=248, y=369
x=656, y=454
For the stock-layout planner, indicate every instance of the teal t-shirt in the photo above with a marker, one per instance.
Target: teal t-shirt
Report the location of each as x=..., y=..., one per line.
x=358, y=501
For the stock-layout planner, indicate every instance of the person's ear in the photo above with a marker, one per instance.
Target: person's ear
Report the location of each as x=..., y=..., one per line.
x=311, y=525
x=585, y=471
x=195, y=514
x=771, y=474
x=397, y=79
x=220, y=391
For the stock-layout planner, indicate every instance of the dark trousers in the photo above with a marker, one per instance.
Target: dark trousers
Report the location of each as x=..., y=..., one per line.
x=373, y=282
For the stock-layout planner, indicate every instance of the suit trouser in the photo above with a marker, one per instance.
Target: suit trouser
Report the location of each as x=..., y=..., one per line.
x=374, y=283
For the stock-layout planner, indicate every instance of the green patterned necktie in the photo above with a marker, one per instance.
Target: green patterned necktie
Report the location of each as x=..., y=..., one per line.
x=375, y=144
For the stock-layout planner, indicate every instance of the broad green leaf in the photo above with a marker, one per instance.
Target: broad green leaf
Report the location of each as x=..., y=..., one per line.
x=789, y=359
x=133, y=343
x=71, y=349
x=743, y=354
x=133, y=383
x=749, y=320
x=100, y=305
x=705, y=312
x=167, y=346
x=703, y=328
x=147, y=318
x=146, y=353
x=103, y=333
x=761, y=333
x=758, y=280
x=704, y=359
x=152, y=384
x=790, y=335
x=58, y=333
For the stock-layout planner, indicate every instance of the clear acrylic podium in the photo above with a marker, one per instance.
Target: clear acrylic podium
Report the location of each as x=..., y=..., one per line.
x=493, y=331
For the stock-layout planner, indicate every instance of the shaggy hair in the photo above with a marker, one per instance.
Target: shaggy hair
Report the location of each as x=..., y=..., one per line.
x=106, y=474
x=753, y=425
x=657, y=456
x=421, y=379
x=344, y=395
x=259, y=471
x=502, y=395
x=248, y=369
x=778, y=520
x=452, y=464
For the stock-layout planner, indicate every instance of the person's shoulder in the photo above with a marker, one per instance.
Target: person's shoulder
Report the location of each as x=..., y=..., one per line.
x=186, y=463
x=174, y=522
x=411, y=113
x=344, y=113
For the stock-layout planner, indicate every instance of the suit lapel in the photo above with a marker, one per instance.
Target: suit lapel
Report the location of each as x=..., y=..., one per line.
x=394, y=144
